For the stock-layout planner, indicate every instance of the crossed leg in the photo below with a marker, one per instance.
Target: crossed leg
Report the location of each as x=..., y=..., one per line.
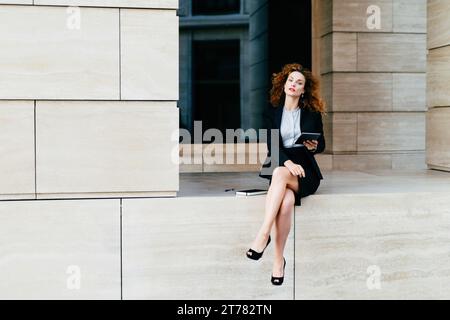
x=283, y=223
x=280, y=201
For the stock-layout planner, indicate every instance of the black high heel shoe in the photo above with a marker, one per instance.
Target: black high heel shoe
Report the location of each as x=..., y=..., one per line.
x=252, y=254
x=278, y=281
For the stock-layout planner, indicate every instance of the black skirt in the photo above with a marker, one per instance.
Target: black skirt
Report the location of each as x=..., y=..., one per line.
x=308, y=184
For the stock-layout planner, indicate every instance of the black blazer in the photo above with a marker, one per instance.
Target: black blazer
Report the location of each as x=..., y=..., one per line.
x=310, y=121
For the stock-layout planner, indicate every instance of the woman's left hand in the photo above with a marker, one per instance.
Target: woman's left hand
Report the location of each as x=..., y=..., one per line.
x=311, y=144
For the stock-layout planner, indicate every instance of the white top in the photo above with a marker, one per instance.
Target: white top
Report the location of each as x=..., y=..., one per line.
x=290, y=129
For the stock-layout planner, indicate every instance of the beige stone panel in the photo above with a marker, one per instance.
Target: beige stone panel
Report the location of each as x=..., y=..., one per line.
x=344, y=241
x=391, y=52
x=379, y=161
x=326, y=89
x=438, y=23
x=194, y=248
x=256, y=151
x=16, y=1
x=362, y=92
x=326, y=53
x=247, y=157
x=328, y=131
x=325, y=161
x=410, y=16
x=191, y=157
x=234, y=153
x=438, y=138
x=409, y=91
x=316, y=56
x=413, y=161
x=362, y=161
x=391, y=131
x=239, y=157
x=344, y=51
x=184, y=168
x=45, y=59
x=232, y=168
x=149, y=49
x=351, y=15
x=324, y=18
x=155, y=4
x=85, y=147
x=17, y=149
x=344, y=131
x=46, y=246
x=438, y=77
x=338, y=52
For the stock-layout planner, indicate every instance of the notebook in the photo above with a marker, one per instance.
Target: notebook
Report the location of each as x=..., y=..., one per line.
x=250, y=192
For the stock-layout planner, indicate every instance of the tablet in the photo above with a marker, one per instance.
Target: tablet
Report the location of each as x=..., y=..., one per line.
x=307, y=136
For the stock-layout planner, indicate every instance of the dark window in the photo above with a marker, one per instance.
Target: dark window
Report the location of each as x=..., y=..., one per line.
x=215, y=7
x=296, y=18
x=216, y=84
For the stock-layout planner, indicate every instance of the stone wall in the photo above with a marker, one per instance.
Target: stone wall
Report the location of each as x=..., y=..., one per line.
x=438, y=85
x=88, y=98
x=373, y=81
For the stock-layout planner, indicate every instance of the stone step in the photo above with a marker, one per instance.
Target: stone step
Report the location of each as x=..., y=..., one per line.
x=373, y=246
x=345, y=246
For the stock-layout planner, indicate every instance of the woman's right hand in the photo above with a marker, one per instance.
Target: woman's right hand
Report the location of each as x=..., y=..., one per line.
x=295, y=169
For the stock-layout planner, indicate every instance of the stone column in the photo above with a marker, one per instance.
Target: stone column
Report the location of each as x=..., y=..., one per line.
x=438, y=85
x=258, y=61
x=372, y=66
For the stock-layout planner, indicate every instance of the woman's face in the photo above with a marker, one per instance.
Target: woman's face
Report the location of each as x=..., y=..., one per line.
x=295, y=84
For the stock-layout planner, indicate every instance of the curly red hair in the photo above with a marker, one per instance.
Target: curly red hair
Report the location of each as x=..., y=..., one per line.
x=311, y=98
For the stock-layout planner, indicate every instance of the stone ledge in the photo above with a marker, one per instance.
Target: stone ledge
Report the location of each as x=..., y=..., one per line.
x=439, y=168
x=192, y=158
x=106, y=195
x=142, y=4
x=17, y=196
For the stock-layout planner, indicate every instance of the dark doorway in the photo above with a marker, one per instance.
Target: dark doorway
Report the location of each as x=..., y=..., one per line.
x=289, y=33
x=216, y=84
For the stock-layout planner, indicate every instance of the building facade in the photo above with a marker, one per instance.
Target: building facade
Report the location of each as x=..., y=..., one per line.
x=88, y=116
x=215, y=61
x=371, y=58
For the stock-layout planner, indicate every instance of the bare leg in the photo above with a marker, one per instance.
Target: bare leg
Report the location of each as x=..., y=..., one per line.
x=281, y=179
x=283, y=226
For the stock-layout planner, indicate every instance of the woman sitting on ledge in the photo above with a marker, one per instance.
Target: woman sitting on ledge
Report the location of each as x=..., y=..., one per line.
x=296, y=108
